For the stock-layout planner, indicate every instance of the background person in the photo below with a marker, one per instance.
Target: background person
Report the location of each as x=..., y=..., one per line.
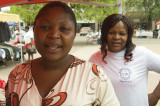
x=125, y=64
x=18, y=35
x=158, y=37
x=58, y=78
x=28, y=37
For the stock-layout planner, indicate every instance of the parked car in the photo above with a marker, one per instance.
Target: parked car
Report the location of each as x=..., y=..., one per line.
x=85, y=31
x=144, y=34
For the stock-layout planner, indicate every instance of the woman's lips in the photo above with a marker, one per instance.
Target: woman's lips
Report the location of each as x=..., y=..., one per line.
x=52, y=48
x=116, y=44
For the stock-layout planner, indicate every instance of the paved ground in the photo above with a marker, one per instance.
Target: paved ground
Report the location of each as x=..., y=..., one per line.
x=84, y=49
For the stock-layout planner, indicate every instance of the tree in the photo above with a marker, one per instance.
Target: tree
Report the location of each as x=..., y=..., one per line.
x=92, y=12
x=149, y=9
x=82, y=11
x=26, y=12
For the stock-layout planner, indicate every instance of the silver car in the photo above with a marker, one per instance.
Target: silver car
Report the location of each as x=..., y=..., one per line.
x=85, y=31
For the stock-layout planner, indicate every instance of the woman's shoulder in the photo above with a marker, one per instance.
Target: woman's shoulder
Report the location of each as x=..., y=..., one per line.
x=19, y=70
x=96, y=55
x=78, y=61
x=90, y=67
x=141, y=49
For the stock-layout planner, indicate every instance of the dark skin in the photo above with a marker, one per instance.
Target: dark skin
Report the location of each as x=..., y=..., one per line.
x=54, y=36
x=154, y=96
x=46, y=80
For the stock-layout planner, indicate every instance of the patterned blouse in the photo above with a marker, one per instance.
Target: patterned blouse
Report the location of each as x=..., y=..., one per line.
x=84, y=84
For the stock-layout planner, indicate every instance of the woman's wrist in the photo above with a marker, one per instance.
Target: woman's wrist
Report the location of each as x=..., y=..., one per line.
x=156, y=92
x=156, y=96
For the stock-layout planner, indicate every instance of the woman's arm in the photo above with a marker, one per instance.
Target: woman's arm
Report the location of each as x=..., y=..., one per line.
x=154, y=96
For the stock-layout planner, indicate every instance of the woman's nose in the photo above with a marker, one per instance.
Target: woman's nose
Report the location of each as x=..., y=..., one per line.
x=116, y=36
x=54, y=33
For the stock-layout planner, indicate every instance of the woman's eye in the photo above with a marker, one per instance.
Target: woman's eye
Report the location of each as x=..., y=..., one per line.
x=122, y=34
x=45, y=27
x=64, y=29
x=112, y=33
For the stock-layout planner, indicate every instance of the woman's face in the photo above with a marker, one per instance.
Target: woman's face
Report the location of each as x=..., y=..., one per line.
x=117, y=37
x=54, y=34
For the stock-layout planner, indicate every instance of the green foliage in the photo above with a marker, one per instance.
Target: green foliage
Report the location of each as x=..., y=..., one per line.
x=26, y=12
x=149, y=8
x=93, y=12
x=82, y=11
x=146, y=10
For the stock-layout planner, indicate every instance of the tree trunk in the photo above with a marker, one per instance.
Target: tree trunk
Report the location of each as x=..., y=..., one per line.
x=149, y=23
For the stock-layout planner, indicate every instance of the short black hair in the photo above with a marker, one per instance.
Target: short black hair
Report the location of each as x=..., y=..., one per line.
x=27, y=27
x=66, y=8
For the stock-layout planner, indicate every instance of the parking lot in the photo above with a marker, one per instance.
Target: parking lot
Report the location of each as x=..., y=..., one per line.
x=84, y=49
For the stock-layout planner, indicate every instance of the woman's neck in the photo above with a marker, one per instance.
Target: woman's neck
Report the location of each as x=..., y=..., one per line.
x=50, y=65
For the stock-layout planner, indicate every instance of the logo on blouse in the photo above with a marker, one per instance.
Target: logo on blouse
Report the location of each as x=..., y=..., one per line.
x=125, y=75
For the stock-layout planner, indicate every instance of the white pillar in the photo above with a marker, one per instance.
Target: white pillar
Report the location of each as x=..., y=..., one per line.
x=96, y=25
x=119, y=2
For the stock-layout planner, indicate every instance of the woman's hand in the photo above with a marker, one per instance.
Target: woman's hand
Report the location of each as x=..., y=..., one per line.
x=153, y=99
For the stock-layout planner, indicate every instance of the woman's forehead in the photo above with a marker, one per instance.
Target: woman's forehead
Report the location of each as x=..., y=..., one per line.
x=61, y=18
x=56, y=12
x=53, y=10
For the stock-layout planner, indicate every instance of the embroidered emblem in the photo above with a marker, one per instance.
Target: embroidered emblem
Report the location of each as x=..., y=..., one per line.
x=125, y=75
